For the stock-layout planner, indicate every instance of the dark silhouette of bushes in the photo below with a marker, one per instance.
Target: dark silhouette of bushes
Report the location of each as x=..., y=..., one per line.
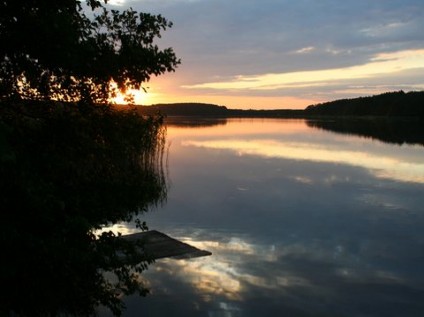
x=66, y=170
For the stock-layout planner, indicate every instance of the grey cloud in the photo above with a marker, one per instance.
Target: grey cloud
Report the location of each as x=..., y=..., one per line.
x=252, y=37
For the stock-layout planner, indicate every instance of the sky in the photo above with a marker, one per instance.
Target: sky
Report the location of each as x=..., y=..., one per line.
x=282, y=54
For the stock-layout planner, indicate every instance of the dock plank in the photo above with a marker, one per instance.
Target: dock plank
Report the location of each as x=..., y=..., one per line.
x=159, y=245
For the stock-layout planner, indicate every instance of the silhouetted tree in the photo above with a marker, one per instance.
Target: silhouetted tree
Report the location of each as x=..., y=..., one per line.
x=68, y=168
x=51, y=50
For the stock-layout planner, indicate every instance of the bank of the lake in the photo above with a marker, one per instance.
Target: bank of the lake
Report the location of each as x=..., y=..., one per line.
x=393, y=105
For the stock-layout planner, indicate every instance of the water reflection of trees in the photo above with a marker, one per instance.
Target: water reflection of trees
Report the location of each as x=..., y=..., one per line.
x=64, y=172
x=389, y=131
x=194, y=122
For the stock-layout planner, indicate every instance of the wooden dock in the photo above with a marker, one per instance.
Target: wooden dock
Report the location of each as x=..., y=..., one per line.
x=158, y=245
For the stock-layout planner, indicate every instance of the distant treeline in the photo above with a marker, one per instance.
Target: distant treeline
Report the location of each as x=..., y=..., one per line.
x=184, y=109
x=391, y=104
x=211, y=110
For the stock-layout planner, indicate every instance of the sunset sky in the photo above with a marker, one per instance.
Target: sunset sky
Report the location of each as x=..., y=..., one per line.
x=267, y=54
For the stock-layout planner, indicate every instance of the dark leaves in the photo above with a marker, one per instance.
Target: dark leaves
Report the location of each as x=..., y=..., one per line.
x=53, y=43
x=65, y=171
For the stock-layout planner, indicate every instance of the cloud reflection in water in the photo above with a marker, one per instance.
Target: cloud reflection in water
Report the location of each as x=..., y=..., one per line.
x=379, y=165
x=300, y=222
x=242, y=277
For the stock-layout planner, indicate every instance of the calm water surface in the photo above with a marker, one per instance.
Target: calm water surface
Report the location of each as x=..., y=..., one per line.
x=300, y=221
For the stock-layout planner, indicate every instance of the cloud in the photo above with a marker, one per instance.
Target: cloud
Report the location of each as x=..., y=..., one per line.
x=258, y=35
x=220, y=40
x=305, y=50
x=377, y=164
x=380, y=65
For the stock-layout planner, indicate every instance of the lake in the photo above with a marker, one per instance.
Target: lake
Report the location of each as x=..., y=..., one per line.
x=300, y=220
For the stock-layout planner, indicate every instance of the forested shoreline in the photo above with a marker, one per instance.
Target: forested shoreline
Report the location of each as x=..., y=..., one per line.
x=388, y=105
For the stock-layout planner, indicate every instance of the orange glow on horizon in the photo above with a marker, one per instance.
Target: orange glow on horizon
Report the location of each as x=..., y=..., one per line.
x=170, y=89
x=279, y=90
x=233, y=102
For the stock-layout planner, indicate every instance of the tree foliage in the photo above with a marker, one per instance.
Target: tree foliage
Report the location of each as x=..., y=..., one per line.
x=69, y=162
x=51, y=50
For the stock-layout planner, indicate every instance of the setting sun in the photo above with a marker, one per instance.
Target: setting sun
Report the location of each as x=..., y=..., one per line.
x=139, y=96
